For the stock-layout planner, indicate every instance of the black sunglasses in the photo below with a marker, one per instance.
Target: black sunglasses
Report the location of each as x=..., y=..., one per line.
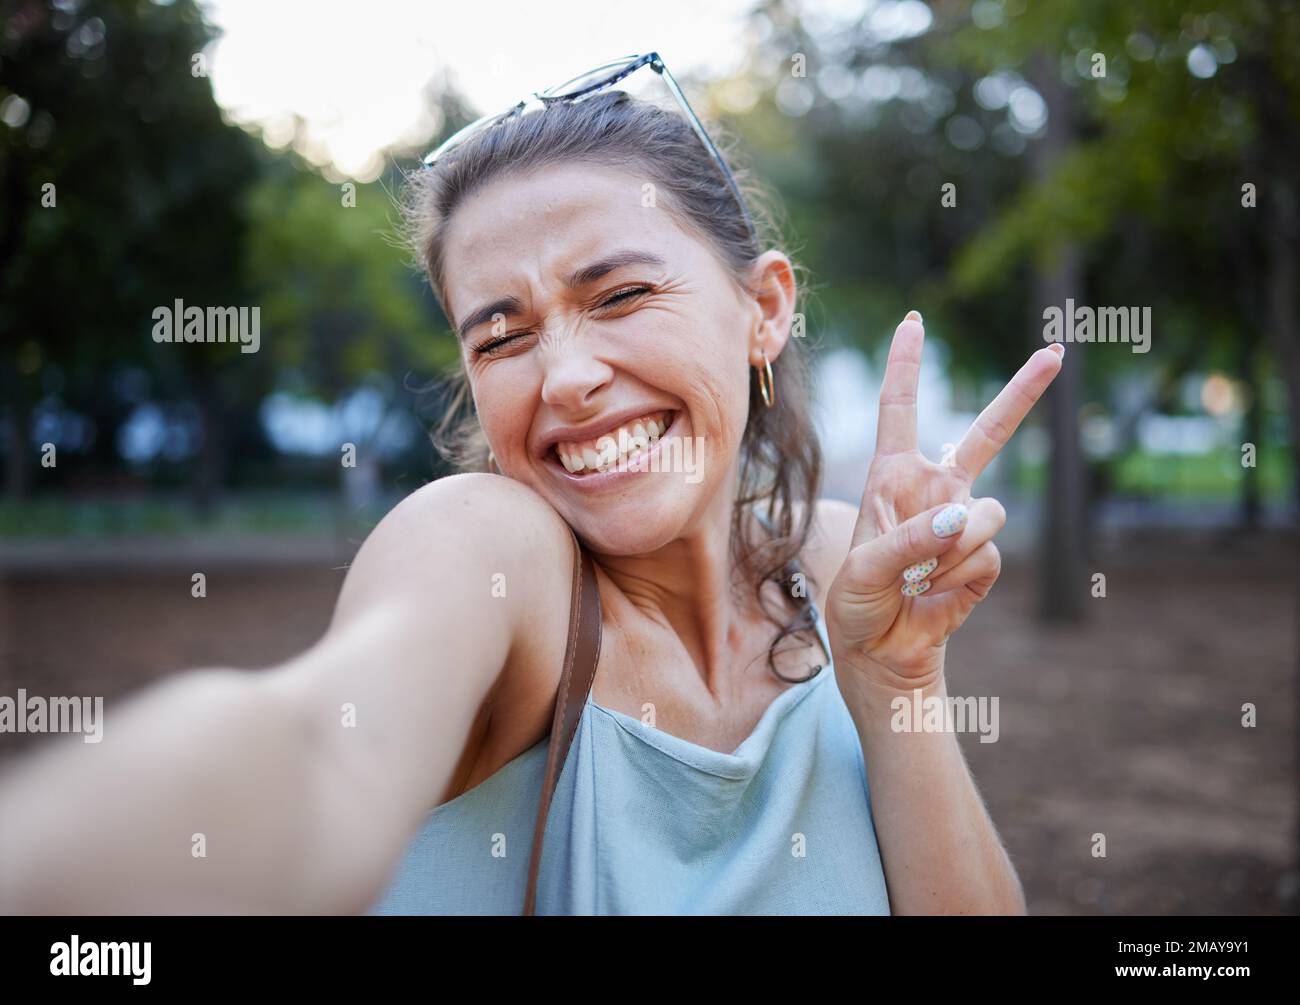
x=603, y=76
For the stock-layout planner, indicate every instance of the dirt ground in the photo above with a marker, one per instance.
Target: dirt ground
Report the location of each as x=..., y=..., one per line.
x=1129, y=726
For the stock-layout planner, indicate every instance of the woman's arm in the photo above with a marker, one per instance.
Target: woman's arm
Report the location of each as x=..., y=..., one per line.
x=940, y=850
x=296, y=789
x=919, y=558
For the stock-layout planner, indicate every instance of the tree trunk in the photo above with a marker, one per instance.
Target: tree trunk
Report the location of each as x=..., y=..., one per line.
x=15, y=406
x=1280, y=219
x=209, y=470
x=1252, y=432
x=18, y=452
x=1062, y=559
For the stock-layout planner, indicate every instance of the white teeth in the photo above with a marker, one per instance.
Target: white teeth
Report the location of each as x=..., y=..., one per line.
x=608, y=450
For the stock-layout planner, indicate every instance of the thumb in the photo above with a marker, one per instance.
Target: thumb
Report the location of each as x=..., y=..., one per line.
x=925, y=535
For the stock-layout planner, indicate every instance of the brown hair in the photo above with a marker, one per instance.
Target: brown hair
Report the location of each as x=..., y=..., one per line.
x=780, y=455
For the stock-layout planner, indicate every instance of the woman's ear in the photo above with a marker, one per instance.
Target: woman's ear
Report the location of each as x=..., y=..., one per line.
x=772, y=293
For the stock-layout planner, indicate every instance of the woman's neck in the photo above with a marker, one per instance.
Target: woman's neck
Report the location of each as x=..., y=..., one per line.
x=689, y=587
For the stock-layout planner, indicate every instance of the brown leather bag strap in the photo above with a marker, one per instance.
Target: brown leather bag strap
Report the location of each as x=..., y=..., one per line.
x=580, y=657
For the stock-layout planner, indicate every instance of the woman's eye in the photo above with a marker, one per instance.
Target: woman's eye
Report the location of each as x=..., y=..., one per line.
x=494, y=346
x=624, y=296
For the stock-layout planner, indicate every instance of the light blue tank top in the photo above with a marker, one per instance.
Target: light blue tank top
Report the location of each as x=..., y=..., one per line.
x=643, y=822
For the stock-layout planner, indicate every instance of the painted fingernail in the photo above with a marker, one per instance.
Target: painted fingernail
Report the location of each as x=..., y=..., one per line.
x=949, y=521
x=915, y=589
x=919, y=571
x=913, y=316
x=1057, y=348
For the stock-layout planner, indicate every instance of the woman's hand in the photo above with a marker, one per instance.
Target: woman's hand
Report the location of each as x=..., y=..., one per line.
x=922, y=554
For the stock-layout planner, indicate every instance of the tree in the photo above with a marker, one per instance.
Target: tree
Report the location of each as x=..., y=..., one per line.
x=121, y=185
x=339, y=292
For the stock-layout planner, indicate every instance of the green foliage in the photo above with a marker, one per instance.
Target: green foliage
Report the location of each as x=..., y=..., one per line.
x=119, y=181
x=1147, y=192
x=142, y=167
x=335, y=289
x=1159, y=146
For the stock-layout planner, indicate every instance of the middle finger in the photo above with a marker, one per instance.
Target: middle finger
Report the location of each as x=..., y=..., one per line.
x=994, y=426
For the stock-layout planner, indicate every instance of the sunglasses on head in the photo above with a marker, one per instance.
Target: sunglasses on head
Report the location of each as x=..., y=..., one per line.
x=584, y=85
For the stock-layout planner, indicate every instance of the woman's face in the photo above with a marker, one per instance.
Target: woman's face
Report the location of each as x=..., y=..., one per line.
x=608, y=349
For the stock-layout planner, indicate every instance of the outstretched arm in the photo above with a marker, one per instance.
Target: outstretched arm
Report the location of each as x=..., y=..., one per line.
x=294, y=811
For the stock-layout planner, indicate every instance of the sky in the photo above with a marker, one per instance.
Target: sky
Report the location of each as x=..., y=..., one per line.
x=356, y=73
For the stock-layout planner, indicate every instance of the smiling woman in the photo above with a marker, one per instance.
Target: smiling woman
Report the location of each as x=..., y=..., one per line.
x=614, y=301
x=662, y=255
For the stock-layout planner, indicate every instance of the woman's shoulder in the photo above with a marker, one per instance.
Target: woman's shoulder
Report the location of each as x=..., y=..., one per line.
x=485, y=519
x=487, y=534
x=490, y=507
x=829, y=537
x=833, y=524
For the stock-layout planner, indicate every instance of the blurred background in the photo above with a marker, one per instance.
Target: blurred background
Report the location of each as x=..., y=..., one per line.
x=978, y=161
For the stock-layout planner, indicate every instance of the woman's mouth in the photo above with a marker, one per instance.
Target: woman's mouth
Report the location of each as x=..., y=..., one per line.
x=620, y=449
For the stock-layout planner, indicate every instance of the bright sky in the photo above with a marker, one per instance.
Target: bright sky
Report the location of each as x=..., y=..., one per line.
x=355, y=74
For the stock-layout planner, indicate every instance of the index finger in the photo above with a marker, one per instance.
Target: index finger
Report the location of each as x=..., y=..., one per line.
x=994, y=426
x=896, y=427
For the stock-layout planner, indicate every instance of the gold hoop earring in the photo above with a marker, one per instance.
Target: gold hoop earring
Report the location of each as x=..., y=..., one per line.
x=766, y=387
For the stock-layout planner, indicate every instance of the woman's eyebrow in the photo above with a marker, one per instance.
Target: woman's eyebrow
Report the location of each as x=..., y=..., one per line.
x=505, y=306
x=587, y=274
x=616, y=260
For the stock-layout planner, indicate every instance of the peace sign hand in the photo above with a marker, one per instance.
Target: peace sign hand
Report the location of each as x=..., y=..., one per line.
x=922, y=554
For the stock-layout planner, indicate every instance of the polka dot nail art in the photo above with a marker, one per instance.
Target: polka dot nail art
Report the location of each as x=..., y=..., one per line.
x=915, y=589
x=949, y=521
x=919, y=571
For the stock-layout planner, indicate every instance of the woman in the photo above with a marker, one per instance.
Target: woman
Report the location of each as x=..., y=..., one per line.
x=612, y=299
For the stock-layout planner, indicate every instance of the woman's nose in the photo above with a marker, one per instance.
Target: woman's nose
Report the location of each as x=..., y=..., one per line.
x=573, y=375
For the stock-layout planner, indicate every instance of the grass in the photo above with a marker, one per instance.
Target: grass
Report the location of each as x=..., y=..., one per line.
x=1207, y=477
